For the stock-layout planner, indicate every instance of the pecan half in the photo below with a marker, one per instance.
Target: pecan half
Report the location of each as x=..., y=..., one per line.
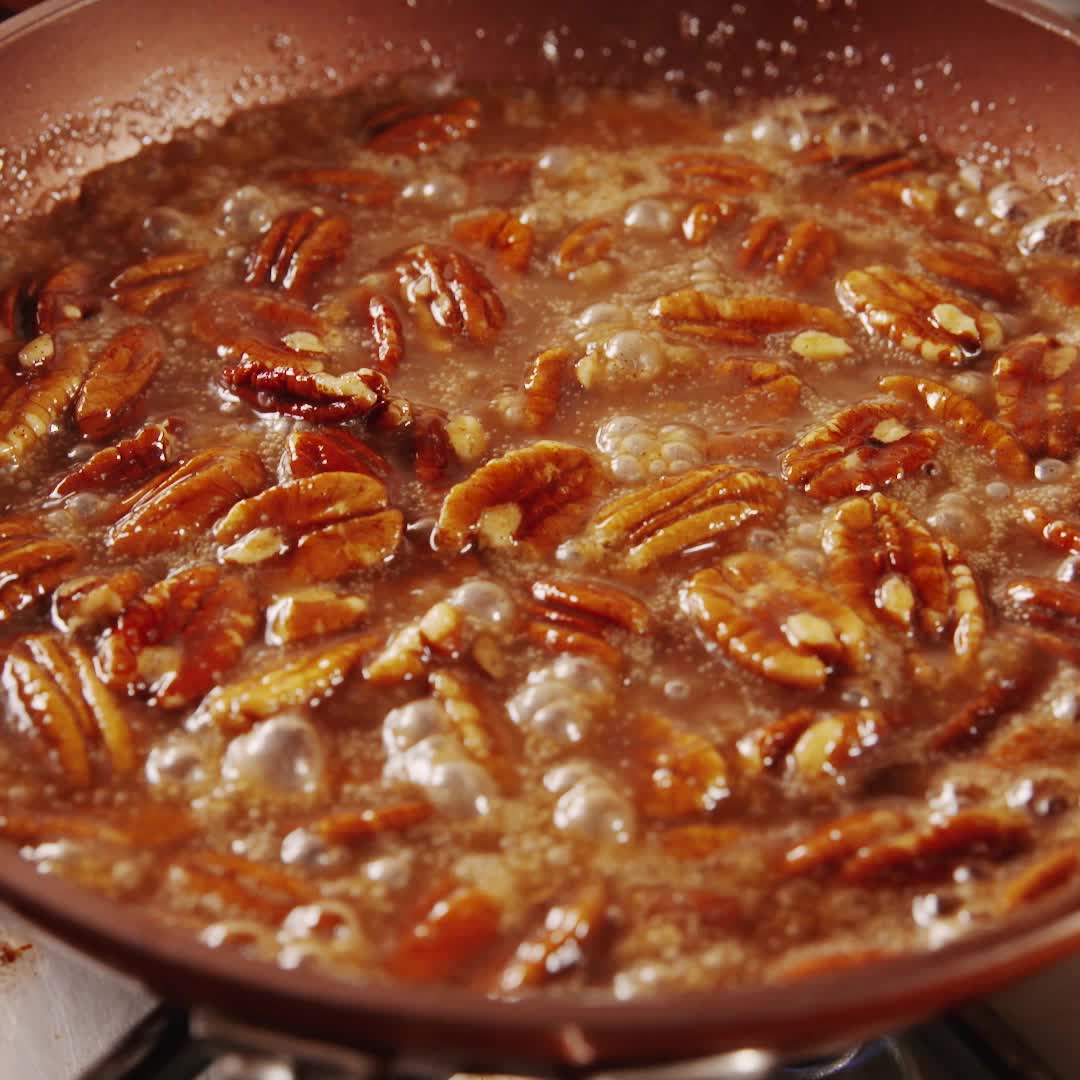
x=293, y=382
x=147, y=452
x=350, y=827
x=308, y=452
x=120, y=373
x=306, y=681
x=451, y=291
x=1053, y=604
x=960, y=415
x=704, y=218
x=1037, y=390
x=91, y=601
x=698, y=509
x=1060, y=533
x=312, y=612
x=919, y=316
x=227, y=316
x=763, y=389
x=716, y=176
x=52, y=690
x=40, y=305
x=151, y=284
x=381, y=320
x=503, y=234
x=584, y=246
x=422, y=431
x=679, y=773
x=324, y=526
x=535, y=496
x=543, y=387
x=743, y=320
x=970, y=266
x=361, y=187
x=774, y=623
x=34, y=405
x=836, y=841
x=32, y=564
x=568, y=936
x=298, y=246
x=861, y=448
x=169, y=510
x=801, y=254
x=442, y=632
x=421, y=128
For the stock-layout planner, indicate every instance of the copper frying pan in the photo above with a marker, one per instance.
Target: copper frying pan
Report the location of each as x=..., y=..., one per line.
x=86, y=81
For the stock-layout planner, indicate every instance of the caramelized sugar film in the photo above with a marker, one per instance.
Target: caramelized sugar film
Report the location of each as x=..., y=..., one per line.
x=545, y=543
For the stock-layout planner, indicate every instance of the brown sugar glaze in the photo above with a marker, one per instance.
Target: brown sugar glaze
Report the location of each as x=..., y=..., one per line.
x=602, y=542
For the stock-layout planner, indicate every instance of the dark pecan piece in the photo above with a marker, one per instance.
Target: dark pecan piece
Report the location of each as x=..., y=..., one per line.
x=120, y=372
x=378, y=316
x=1060, y=533
x=147, y=452
x=704, y=218
x=679, y=773
x=40, y=305
x=1053, y=604
x=501, y=233
x=970, y=266
x=308, y=452
x=543, y=387
x=838, y=840
x=298, y=246
x=149, y=285
x=801, y=254
x=227, y=316
x=422, y=127
x=423, y=431
x=585, y=245
x=32, y=564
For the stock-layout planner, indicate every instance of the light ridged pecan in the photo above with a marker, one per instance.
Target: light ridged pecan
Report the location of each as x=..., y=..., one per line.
x=1037, y=390
x=1058, y=532
x=175, y=507
x=379, y=317
x=762, y=388
x=743, y=320
x=118, y=375
x=968, y=608
x=312, y=612
x=147, y=452
x=534, y=496
x=801, y=254
x=361, y=187
x=227, y=316
x=351, y=827
x=704, y=218
x=503, y=234
x=960, y=416
x=32, y=564
x=835, y=842
x=970, y=266
x=451, y=291
x=861, y=448
x=698, y=509
x=919, y=316
x=88, y=602
x=571, y=931
x=442, y=632
x=933, y=849
x=678, y=772
x=810, y=744
x=149, y=285
x=308, y=452
x=574, y=616
x=584, y=246
x=33, y=407
x=40, y=305
x=414, y=128
x=543, y=387
x=294, y=382
x=422, y=431
x=309, y=679
x=52, y=690
x=716, y=176
x=774, y=623
x=320, y=527
x=1044, y=602
x=1045, y=876
x=299, y=245
x=449, y=930
x=174, y=642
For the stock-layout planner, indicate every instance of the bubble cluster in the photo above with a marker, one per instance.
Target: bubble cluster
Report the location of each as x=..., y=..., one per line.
x=319, y=933
x=637, y=451
x=589, y=804
x=180, y=763
x=560, y=701
x=443, y=191
x=282, y=758
x=650, y=217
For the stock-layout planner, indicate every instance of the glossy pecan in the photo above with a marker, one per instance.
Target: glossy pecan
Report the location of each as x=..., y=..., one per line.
x=40, y=305
x=774, y=623
x=1044, y=602
x=1037, y=390
x=305, y=681
x=503, y=234
x=1058, y=532
x=451, y=291
x=361, y=187
x=919, y=316
x=119, y=374
x=543, y=387
x=379, y=317
x=834, y=843
x=704, y=218
x=534, y=496
x=584, y=246
x=678, y=772
x=970, y=266
x=422, y=431
x=744, y=320
x=173, y=643
x=311, y=451
x=147, y=452
x=150, y=285
x=801, y=254
x=715, y=175
x=322, y=527
x=312, y=612
x=32, y=564
x=177, y=506
x=293, y=382
x=414, y=128
x=298, y=246
x=352, y=827
x=861, y=448
x=52, y=690
x=227, y=316
x=93, y=600
x=698, y=509
x=960, y=416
